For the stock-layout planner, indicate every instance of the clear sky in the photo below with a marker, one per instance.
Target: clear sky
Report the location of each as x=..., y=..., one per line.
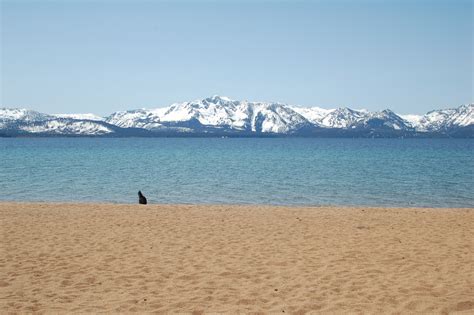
x=104, y=56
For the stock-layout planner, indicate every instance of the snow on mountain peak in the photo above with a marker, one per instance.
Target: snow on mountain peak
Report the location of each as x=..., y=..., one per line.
x=87, y=116
x=222, y=114
x=342, y=117
x=267, y=117
x=9, y=115
x=21, y=113
x=464, y=116
x=438, y=120
x=67, y=127
x=218, y=99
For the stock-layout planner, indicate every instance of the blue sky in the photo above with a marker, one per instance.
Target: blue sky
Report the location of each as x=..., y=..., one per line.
x=103, y=56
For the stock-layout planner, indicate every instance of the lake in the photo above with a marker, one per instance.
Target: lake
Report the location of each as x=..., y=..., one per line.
x=277, y=171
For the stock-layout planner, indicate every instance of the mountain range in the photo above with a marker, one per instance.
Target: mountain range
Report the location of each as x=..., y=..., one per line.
x=221, y=116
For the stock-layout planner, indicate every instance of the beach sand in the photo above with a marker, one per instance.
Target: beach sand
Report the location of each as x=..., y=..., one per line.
x=218, y=259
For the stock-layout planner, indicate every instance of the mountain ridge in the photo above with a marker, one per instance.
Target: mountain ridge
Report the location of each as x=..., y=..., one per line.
x=221, y=116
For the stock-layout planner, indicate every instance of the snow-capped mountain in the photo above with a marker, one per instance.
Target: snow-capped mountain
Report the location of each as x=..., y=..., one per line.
x=222, y=116
x=313, y=114
x=9, y=115
x=23, y=121
x=63, y=126
x=140, y=118
x=387, y=119
x=443, y=119
x=88, y=116
x=215, y=112
x=344, y=118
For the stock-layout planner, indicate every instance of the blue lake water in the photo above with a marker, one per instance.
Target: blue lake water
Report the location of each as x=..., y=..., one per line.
x=282, y=171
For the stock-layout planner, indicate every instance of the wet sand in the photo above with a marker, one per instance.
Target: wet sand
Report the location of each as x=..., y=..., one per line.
x=231, y=259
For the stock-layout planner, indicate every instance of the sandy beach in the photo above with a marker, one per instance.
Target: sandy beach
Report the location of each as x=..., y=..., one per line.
x=234, y=259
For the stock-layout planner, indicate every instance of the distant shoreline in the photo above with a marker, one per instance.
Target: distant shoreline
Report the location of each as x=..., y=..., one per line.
x=328, y=135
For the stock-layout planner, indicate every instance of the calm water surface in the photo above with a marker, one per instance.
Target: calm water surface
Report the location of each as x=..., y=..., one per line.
x=284, y=171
